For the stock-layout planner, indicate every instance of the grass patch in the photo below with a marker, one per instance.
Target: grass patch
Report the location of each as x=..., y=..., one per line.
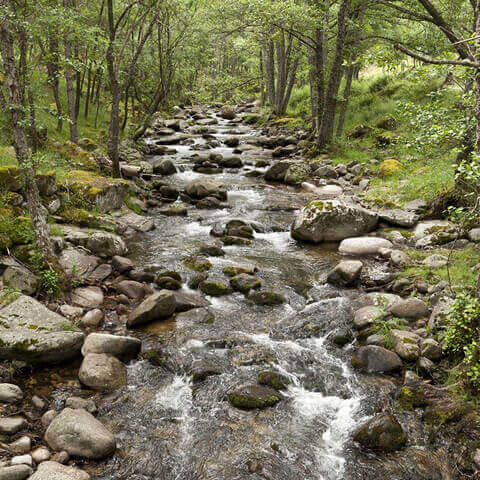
x=462, y=273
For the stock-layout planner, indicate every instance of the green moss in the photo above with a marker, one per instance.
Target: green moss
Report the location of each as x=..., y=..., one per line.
x=199, y=264
x=273, y=379
x=408, y=399
x=10, y=179
x=247, y=402
x=234, y=271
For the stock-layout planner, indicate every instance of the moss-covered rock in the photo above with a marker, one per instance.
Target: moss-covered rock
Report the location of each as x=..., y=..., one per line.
x=215, y=287
x=389, y=167
x=244, y=283
x=387, y=138
x=105, y=193
x=297, y=173
x=87, y=144
x=273, y=379
x=254, y=396
x=231, y=240
x=10, y=178
x=381, y=433
x=168, y=283
x=267, y=297
x=196, y=280
x=199, y=264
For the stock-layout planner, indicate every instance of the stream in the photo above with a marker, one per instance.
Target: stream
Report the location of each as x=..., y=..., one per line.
x=170, y=427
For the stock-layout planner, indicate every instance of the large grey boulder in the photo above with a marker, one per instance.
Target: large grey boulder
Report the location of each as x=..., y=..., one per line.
x=136, y=222
x=373, y=359
x=332, y=221
x=102, y=372
x=367, y=316
x=78, y=262
x=80, y=434
x=412, y=308
x=158, y=306
x=363, y=246
x=124, y=348
x=17, y=277
x=277, y=171
x=32, y=333
x=206, y=187
x=399, y=218
x=57, y=471
x=106, y=244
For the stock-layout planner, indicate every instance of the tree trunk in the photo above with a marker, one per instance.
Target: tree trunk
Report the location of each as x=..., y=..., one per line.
x=53, y=74
x=270, y=72
x=22, y=151
x=328, y=119
x=72, y=113
x=114, y=128
x=477, y=80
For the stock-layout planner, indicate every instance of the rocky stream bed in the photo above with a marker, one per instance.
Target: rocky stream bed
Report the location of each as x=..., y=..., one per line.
x=236, y=339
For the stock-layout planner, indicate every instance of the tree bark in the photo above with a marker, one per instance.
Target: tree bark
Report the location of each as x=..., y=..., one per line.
x=22, y=151
x=328, y=119
x=72, y=111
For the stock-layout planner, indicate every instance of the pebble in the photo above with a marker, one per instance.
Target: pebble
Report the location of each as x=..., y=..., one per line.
x=47, y=417
x=15, y=472
x=41, y=454
x=10, y=393
x=12, y=425
x=38, y=403
x=22, y=445
x=22, y=460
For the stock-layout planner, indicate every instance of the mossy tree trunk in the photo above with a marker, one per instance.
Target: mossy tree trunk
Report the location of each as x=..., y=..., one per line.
x=18, y=120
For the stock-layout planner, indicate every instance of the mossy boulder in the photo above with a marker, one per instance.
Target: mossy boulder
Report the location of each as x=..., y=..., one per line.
x=10, y=178
x=215, y=287
x=297, y=173
x=254, y=396
x=267, y=297
x=389, y=167
x=235, y=270
x=409, y=398
x=387, y=138
x=230, y=240
x=273, y=379
x=197, y=279
x=359, y=131
x=381, y=433
x=104, y=193
x=47, y=183
x=244, y=283
x=199, y=264
x=168, y=283
x=87, y=144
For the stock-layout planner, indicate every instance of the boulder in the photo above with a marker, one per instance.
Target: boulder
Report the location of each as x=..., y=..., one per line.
x=196, y=315
x=80, y=434
x=277, y=171
x=346, y=273
x=124, y=348
x=122, y=264
x=78, y=402
x=412, y=308
x=435, y=261
x=92, y=318
x=368, y=316
x=206, y=187
x=297, y=173
x=158, y=306
x=266, y=297
x=399, y=218
x=363, y=246
x=136, y=222
x=87, y=297
x=102, y=372
x=164, y=167
x=273, y=379
x=131, y=289
x=106, y=193
x=215, y=287
x=32, y=333
x=18, y=277
x=431, y=349
x=188, y=301
x=406, y=344
x=245, y=282
x=78, y=262
x=384, y=300
x=106, y=245
x=374, y=359
x=331, y=221
x=254, y=396
x=10, y=393
x=57, y=471
x=16, y=472
x=381, y=433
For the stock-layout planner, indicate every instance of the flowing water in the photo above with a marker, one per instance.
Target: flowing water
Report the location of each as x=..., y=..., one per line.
x=169, y=427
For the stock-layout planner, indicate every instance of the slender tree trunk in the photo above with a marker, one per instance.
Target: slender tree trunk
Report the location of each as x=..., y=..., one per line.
x=53, y=74
x=270, y=71
x=22, y=151
x=89, y=86
x=351, y=70
x=477, y=80
x=281, y=74
x=72, y=114
x=328, y=119
x=114, y=128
